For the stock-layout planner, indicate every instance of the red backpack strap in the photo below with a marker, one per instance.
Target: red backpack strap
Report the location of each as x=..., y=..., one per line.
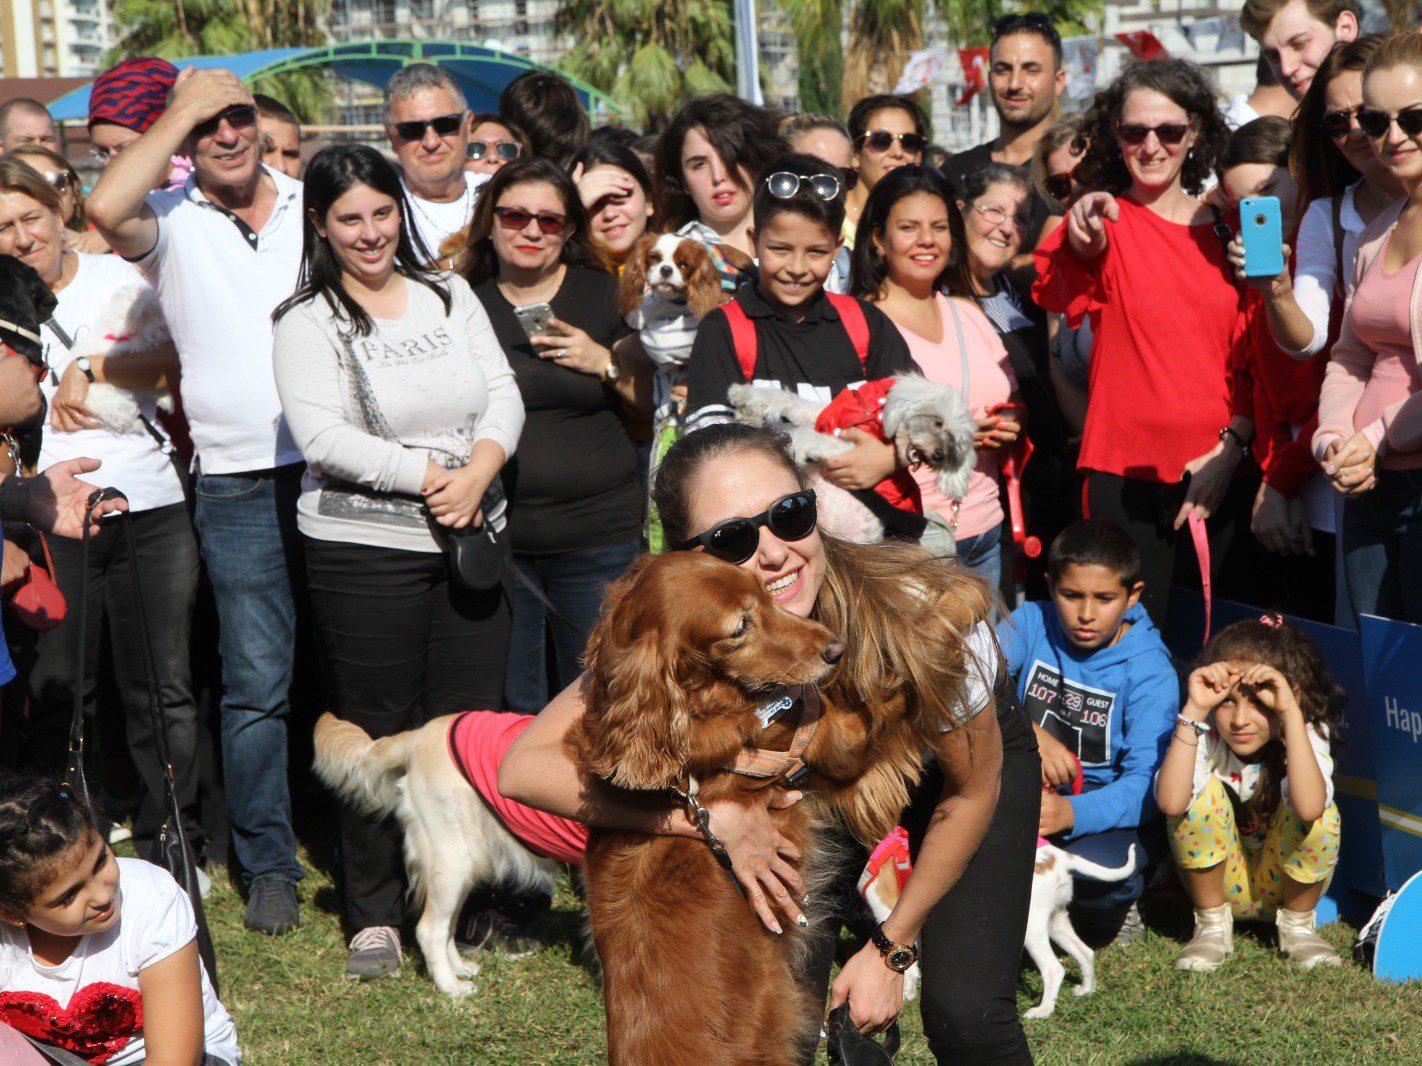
x=743, y=337
x=851, y=314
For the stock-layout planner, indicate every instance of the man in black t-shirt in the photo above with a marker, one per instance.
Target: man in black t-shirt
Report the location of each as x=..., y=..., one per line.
x=1025, y=79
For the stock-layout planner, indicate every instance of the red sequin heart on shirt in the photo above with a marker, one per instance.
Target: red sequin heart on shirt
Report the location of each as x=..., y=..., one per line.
x=100, y=1019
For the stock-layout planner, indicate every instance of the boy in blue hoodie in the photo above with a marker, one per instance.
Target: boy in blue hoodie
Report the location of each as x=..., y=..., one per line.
x=1099, y=687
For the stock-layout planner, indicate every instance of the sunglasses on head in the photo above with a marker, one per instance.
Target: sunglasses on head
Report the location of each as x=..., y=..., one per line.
x=239, y=116
x=1376, y=123
x=503, y=149
x=58, y=179
x=1058, y=186
x=516, y=218
x=1337, y=123
x=1167, y=133
x=883, y=140
x=414, y=130
x=735, y=540
x=786, y=185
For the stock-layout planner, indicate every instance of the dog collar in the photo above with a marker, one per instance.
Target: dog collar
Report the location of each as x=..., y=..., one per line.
x=789, y=765
x=29, y=335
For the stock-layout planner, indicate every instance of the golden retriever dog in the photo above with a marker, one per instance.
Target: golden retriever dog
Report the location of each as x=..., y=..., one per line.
x=687, y=658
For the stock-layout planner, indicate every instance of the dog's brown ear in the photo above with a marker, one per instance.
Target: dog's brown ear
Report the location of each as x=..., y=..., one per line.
x=633, y=284
x=634, y=731
x=703, y=284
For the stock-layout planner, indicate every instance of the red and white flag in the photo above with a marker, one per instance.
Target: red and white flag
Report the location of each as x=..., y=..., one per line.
x=1143, y=44
x=974, y=62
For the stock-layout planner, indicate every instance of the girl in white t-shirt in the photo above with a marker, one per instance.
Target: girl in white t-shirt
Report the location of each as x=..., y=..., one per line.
x=1247, y=790
x=98, y=955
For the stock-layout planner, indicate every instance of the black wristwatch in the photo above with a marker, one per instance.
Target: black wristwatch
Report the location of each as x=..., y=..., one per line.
x=84, y=367
x=897, y=957
x=1243, y=445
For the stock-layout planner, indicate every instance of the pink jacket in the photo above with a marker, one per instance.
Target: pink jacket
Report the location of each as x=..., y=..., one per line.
x=1352, y=362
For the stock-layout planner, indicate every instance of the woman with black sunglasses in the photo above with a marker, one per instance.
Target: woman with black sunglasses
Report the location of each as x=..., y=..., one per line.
x=732, y=491
x=1369, y=436
x=886, y=131
x=1145, y=261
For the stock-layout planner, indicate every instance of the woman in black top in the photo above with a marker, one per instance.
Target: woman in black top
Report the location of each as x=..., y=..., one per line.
x=997, y=211
x=575, y=507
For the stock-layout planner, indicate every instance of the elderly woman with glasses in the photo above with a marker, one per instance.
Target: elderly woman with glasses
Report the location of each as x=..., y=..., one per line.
x=55, y=169
x=1145, y=261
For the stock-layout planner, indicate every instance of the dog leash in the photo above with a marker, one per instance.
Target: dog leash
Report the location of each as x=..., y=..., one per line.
x=165, y=445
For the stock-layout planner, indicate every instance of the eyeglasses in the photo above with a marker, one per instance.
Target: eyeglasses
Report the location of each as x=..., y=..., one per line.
x=239, y=116
x=1337, y=123
x=786, y=185
x=735, y=540
x=996, y=216
x=1169, y=134
x=516, y=218
x=883, y=140
x=57, y=178
x=1032, y=20
x=1058, y=186
x=444, y=126
x=504, y=149
x=1376, y=123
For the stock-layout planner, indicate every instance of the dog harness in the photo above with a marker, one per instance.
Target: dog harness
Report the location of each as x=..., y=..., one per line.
x=789, y=766
x=478, y=742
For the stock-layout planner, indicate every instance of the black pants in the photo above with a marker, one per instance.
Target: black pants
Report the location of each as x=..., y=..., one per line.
x=972, y=941
x=1146, y=510
x=403, y=646
x=168, y=565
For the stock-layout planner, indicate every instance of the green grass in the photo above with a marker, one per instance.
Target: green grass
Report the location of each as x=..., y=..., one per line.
x=292, y=1004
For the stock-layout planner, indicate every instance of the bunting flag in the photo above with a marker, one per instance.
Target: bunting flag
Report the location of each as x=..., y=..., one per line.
x=974, y=62
x=1079, y=57
x=1143, y=44
x=1220, y=34
x=921, y=70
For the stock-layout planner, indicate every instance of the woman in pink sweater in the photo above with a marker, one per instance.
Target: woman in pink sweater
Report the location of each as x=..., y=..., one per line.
x=1369, y=438
x=911, y=247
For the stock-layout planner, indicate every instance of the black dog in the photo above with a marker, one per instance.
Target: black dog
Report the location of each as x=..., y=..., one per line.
x=25, y=302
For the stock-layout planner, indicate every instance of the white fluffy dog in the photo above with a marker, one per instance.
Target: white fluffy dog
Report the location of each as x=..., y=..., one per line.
x=132, y=323
x=928, y=424
x=1047, y=920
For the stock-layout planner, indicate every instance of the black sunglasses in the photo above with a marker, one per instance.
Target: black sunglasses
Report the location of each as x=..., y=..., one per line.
x=516, y=218
x=1337, y=123
x=735, y=540
x=1031, y=20
x=1169, y=133
x=883, y=140
x=1376, y=123
x=1058, y=186
x=444, y=126
x=239, y=116
x=504, y=149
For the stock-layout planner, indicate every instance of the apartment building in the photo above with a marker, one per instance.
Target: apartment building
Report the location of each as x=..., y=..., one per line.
x=53, y=38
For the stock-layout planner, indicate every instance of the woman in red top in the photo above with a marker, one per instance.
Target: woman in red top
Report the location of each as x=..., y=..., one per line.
x=1142, y=258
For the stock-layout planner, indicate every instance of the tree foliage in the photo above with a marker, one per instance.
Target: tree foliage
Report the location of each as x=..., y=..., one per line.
x=651, y=56
x=175, y=29
x=820, y=51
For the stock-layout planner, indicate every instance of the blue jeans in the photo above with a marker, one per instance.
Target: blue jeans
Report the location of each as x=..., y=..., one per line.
x=573, y=583
x=983, y=554
x=246, y=524
x=1382, y=547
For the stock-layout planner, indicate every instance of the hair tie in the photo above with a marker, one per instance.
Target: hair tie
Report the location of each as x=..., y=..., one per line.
x=1273, y=621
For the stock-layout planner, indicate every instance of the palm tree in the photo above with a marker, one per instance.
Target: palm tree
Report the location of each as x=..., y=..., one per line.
x=820, y=52
x=227, y=27
x=881, y=34
x=648, y=55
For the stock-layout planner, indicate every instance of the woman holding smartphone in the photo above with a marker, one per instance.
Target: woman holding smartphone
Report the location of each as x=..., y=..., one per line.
x=1145, y=261
x=575, y=507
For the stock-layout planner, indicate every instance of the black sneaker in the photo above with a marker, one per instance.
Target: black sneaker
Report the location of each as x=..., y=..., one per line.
x=271, y=906
x=488, y=930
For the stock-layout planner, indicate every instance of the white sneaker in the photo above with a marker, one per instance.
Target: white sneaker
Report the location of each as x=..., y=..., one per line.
x=204, y=883
x=119, y=832
x=1212, y=943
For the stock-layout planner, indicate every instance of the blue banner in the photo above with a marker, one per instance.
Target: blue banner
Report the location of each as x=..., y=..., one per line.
x=1392, y=659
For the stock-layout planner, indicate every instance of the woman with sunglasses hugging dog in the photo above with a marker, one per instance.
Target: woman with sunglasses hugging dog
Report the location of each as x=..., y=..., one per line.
x=732, y=491
x=1369, y=437
x=405, y=410
x=1145, y=260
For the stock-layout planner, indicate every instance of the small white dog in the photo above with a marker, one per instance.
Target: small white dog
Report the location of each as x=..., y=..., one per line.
x=1048, y=921
x=132, y=323
x=928, y=423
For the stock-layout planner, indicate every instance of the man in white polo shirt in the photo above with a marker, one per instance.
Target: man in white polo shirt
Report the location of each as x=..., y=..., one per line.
x=221, y=253
x=429, y=124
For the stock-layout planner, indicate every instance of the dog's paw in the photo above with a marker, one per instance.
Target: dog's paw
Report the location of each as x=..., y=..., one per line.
x=1038, y=1012
x=1083, y=990
x=457, y=989
x=465, y=968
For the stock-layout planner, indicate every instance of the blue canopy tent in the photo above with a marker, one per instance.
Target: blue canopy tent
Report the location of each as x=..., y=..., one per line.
x=481, y=72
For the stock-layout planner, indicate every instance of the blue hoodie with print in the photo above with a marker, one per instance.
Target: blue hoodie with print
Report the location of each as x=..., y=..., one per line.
x=1113, y=707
